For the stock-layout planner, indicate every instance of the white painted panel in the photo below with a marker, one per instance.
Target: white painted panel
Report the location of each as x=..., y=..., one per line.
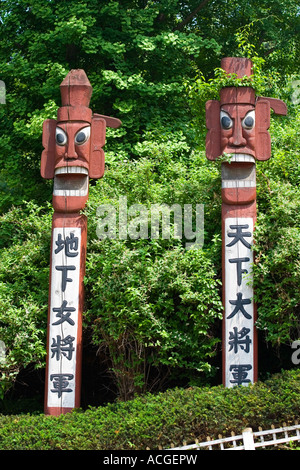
x=239, y=311
x=64, y=299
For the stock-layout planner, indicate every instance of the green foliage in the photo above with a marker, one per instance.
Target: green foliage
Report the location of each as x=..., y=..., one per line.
x=24, y=275
x=271, y=27
x=155, y=305
x=151, y=421
x=159, y=310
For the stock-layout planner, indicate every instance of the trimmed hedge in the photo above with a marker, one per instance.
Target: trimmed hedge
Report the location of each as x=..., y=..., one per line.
x=151, y=421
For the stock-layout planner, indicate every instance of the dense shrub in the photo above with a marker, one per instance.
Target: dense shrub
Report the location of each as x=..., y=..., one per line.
x=151, y=304
x=151, y=421
x=24, y=279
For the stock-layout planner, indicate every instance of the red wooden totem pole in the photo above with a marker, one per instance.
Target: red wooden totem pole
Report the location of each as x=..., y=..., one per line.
x=238, y=125
x=72, y=154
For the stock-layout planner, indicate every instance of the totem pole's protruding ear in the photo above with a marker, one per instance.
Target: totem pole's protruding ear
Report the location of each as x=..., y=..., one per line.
x=115, y=123
x=213, y=137
x=48, y=154
x=262, y=118
x=98, y=131
x=262, y=136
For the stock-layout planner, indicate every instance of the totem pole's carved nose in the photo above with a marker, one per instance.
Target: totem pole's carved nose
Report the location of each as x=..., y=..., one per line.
x=237, y=139
x=71, y=152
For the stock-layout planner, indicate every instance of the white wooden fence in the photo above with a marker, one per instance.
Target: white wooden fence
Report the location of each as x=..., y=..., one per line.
x=248, y=440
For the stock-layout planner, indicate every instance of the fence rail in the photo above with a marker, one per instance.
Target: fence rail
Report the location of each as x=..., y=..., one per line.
x=248, y=440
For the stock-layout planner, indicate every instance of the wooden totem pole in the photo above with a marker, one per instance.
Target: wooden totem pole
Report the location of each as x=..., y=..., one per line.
x=238, y=125
x=72, y=154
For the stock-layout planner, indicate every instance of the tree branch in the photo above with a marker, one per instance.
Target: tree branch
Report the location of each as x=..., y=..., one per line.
x=191, y=15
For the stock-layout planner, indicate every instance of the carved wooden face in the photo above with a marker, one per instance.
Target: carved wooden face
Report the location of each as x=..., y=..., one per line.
x=73, y=154
x=237, y=124
x=72, y=145
x=238, y=129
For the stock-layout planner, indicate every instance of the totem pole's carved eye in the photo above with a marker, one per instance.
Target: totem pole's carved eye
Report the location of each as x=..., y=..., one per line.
x=226, y=121
x=82, y=136
x=60, y=136
x=249, y=120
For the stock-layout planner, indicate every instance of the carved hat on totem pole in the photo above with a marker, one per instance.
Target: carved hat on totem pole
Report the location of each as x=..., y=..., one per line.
x=73, y=144
x=238, y=123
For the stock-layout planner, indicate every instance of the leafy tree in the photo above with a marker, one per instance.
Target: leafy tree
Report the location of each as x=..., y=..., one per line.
x=272, y=27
